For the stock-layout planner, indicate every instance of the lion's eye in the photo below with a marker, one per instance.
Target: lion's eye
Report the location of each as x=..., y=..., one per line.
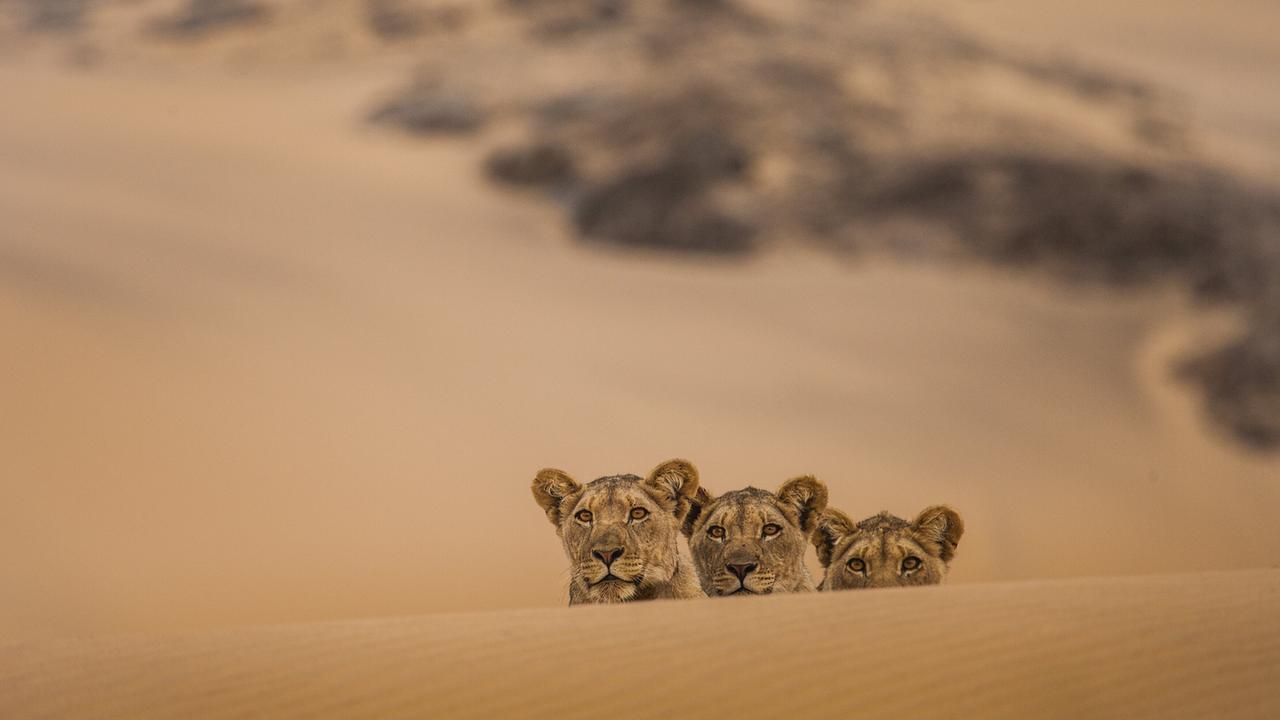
x=716, y=532
x=771, y=529
x=584, y=516
x=857, y=565
x=910, y=563
x=639, y=513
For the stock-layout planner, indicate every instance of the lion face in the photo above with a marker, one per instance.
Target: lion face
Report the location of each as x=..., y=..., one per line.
x=752, y=542
x=619, y=532
x=887, y=551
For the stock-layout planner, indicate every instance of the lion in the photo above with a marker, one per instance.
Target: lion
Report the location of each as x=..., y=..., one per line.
x=886, y=551
x=752, y=541
x=621, y=532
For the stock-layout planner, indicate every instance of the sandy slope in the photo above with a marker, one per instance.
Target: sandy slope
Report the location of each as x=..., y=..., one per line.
x=262, y=364
x=1221, y=58
x=1184, y=646
x=272, y=370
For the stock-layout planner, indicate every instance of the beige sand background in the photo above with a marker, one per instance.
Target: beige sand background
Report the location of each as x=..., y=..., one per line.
x=1220, y=58
x=264, y=364
x=1187, y=646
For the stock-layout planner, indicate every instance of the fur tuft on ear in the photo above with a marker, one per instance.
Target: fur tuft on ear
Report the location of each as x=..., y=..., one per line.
x=697, y=506
x=832, y=527
x=939, y=527
x=550, y=488
x=674, y=483
x=808, y=496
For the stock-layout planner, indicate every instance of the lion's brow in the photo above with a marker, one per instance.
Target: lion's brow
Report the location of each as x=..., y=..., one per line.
x=610, y=487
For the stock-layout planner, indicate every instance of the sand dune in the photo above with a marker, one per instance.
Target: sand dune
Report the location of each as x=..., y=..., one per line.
x=262, y=363
x=251, y=347
x=1182, y=646
x=247, y=362
x=1220, y=59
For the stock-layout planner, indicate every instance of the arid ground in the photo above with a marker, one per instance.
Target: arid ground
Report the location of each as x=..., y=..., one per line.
x=264, y=361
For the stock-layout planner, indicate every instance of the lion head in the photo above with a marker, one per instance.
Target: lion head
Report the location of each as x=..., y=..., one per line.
x=621, y=532
x=753, y=541
x=885, y=550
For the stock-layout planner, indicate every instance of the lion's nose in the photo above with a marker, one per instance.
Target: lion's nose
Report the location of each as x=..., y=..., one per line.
x=741, y=571
x=608, y=555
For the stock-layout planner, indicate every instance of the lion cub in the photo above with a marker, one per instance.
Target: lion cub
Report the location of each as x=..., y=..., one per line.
x=752, y=542
x=887, y=551
x=621, y=532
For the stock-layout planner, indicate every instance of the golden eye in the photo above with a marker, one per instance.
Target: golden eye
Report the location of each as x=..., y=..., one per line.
x=857, y=565
x=910, y=563
x=584, y=516
x=639, y=513
x=715, y=531
x=771, y=529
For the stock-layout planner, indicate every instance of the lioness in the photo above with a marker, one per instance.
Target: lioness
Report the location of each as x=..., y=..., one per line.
x=752, y=542
x=885, y=550
x=621, y=532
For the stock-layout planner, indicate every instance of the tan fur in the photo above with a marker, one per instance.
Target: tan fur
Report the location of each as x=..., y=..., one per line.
x=735, y=555
x=615, y=556
x=879, y=551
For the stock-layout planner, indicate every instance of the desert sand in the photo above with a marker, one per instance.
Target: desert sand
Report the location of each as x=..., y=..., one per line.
x=1187, y=646
x=263, y=363
x=1219, y=60
x=281, y=370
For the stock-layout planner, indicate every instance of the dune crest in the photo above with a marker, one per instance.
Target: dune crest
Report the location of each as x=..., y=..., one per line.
x=1184, y=646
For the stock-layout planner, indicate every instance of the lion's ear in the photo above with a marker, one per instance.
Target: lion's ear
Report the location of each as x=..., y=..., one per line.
x=550, y=488
x=697, y=506
x=674, y=483
x=807, y=495
x=833, y=526
x=939, y=527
